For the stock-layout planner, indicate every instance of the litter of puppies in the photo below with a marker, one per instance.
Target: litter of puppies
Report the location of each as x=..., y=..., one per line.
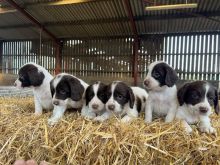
x=125, y=138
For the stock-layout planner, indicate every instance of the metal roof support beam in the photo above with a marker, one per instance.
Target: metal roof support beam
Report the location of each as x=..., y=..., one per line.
x=1, y=53
x=32, y=19
x=122, y=19
x=37, y=23
x=58, y=62
x=136, y=41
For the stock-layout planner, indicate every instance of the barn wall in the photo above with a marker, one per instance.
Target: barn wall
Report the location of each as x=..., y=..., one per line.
x=99, y=59
x=195, y=57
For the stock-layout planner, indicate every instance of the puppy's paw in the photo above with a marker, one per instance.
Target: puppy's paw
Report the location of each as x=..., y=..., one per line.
x=168, y=120
x=52, y=121
x=37, y=113
x=126, y=119
x=188, y=130
x=148, y=121
x=209, y=130
x=89, y=116
x=99, y=119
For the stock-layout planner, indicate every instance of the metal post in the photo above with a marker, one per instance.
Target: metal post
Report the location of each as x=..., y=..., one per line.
x=58, y=58
x=136, y=42
x=1, y=54
x=135, y=60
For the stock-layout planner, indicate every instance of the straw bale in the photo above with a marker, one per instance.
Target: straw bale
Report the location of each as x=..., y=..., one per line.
x=77, y=141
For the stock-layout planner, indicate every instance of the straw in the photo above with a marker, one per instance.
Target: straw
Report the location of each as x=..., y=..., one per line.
x=77, y=141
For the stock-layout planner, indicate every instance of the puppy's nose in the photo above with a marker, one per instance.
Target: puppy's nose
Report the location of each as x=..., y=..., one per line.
x=95, y=106
x=203, y=109
x=111, y=107
x=56, y=102
x=146, y=82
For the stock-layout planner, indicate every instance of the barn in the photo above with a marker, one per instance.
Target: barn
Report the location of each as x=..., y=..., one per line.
x=105, y=40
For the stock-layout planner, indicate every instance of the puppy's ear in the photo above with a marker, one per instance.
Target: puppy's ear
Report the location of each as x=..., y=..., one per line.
x=35, y=77
x=87, y=94
x=216, y=102
x=105, y=89
x=132, y=98
x=181, y=94
x=76, y=89
x=171, y=77
x=52, y=89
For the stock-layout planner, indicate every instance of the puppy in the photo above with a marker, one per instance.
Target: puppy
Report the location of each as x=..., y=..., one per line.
x=160, y=83
x=124, y=101
x=67, y=92
x=94, y=103
x=195, y=102
x=38, y=78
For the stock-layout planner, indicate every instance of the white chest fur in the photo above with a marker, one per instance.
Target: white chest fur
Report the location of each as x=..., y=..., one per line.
x=43, y=93
x=162, y=101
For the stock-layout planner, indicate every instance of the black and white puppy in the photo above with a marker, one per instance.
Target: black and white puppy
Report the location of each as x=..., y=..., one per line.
x=160, y=83
x=67, y=92
x=38, y=78
x=95, y=100
x=195, y=103
x=124, y=101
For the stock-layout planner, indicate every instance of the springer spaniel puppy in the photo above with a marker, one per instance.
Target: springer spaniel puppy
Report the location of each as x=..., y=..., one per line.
x=95, y=100
x=195, y=103
x=124, y=101
x=67, y=92
x=160, y=83
x=38, y=78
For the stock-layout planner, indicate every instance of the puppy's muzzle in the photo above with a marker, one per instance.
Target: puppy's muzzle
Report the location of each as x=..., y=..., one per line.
x=56, y=102
x=95, y=106
x=203, y=109
x=146, y=83
x=111, y=107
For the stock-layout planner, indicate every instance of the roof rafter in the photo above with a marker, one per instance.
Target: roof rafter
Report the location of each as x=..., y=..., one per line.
x=32, y=19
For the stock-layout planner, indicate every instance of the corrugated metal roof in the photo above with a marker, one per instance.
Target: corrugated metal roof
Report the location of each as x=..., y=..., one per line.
x=107, y=18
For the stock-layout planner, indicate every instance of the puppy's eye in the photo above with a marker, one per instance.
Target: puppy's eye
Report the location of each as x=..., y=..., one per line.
x=108, y=95
x=156, y=75
x=21, y=77
x=195, y=96
x=210, y=98
x=119, y=96
x=102, y=95
x=62, y=92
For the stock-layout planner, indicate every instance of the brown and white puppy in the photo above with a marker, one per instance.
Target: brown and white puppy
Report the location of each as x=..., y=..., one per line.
x=95, y=100
x=124, y=101
x=195, y=103
x=38, y=78
x=67, y=92
x=160, y=82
